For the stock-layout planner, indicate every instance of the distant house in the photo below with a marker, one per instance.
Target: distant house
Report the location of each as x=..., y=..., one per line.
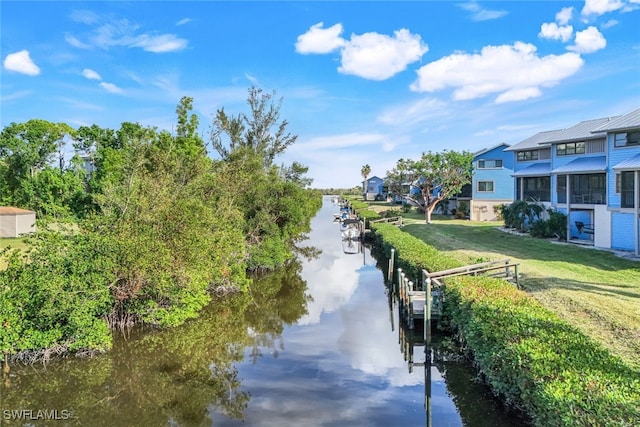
x=371, y=187
x=492, y=182
x=15, y=222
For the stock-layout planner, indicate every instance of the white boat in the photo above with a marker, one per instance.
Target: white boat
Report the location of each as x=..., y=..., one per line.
x=350, y=229
x=350, y=246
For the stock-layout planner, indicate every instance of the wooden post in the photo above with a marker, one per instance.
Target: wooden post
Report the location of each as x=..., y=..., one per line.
x=410, y=300
x=427, y=310
x=390, y=273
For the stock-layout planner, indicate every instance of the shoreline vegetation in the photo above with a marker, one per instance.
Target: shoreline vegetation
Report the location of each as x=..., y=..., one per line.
x=147, y=234
x=564, y=348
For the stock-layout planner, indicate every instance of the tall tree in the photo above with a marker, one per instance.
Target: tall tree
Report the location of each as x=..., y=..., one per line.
x=260, y=132
x=437, y=176
x=398, y=179
x=365, y=171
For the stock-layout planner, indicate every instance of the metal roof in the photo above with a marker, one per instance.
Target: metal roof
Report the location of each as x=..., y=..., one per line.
x=625, y=122
x=632, y=163
x=486, y=150
x=11, y=210
x=536, y=169
x=534, y=141
x=583, y=165
x=584, y=130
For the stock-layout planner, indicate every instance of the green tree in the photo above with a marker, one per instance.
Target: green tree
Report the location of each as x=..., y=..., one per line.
x=26, y=149
x=365, y=171
x=398, y=179
x=295, y=173
x=260, y=132
x=437, y=176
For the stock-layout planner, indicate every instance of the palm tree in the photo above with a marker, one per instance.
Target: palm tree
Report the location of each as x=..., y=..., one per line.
x=365, y=171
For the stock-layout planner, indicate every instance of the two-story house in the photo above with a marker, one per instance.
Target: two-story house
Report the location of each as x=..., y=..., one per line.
x=623, y=183
x=578, y=180
x=590, y=172
x=372, y=187
x=532, y=168
x=492, y=184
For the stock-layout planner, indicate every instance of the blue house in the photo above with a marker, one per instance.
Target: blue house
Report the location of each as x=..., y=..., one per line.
x=623, y=183
x=371, y=187
x=578, y=180
x=492, y=184
x=590, y=172
x=532, y=168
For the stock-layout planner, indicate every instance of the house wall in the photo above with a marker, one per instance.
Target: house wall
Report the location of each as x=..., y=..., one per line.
x=602, y=217
x=483, y=202
x=14, y=225
x=483, y=210
x=622, y=231
x=616, y=155
x=8, y=226
x=25, y=223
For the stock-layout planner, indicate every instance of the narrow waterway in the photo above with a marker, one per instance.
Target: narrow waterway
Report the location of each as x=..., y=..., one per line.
x=316, y=344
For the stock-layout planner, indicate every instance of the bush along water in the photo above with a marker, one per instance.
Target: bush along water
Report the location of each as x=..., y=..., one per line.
x=529, y=357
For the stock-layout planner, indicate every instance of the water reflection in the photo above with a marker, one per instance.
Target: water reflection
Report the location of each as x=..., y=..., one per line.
x=318, y=343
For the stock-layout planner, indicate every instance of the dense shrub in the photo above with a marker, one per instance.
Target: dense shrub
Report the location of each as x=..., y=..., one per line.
x=536, y=361
x=526, y=354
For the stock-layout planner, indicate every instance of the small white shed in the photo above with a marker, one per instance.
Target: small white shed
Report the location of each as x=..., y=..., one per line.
x=15, y=222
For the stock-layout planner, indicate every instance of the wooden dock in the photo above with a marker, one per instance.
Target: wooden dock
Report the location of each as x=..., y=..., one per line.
x=413, y=298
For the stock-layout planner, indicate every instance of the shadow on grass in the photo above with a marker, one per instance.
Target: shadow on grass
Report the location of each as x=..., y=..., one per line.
x=449, y=236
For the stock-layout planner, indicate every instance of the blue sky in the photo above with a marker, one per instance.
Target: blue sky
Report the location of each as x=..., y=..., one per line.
x=361, y=82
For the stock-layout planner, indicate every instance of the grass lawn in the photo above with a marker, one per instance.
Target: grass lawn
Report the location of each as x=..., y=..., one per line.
x=10, y=243
x=594, y=290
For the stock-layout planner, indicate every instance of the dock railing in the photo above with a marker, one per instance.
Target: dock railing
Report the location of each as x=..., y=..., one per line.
x=413, y=301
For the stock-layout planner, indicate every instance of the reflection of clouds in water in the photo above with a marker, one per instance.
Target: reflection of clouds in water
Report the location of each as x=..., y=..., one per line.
x=342, y=363
x=332, y=277
x=296, y=392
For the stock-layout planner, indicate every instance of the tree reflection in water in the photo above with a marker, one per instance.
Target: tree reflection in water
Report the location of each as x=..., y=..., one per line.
x=178, y=376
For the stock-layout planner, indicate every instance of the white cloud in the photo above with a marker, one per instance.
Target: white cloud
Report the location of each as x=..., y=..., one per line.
x=610, y=23
x=512, y=72
x=110, y=87
x=320, y=40
x=370, y=55
x=554, y=32
x=588, y=41
x=21, y=62
x=378, y=56
x=121, y=32
x=183, y=21
x=75, y=42
x=600, y=7
x=481, y=14
x=160, y=44
x=349, y=140
x=90, y=74
x=84, y=16
x=417, y=113
x=564, y=16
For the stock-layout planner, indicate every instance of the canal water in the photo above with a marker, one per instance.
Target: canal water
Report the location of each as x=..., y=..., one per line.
x=316, y=344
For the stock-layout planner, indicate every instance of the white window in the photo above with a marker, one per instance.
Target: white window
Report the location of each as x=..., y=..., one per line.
x=489, y=164
x=485, y=186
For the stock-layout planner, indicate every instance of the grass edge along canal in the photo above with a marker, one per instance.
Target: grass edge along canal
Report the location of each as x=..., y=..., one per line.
x=528, y=355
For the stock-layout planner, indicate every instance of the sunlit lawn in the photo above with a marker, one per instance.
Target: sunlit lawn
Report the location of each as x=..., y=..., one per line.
x=10, y=243
x=597, y=291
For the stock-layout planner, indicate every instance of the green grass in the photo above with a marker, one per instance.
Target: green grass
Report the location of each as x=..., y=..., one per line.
x=13, y=244
x=594, y=290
